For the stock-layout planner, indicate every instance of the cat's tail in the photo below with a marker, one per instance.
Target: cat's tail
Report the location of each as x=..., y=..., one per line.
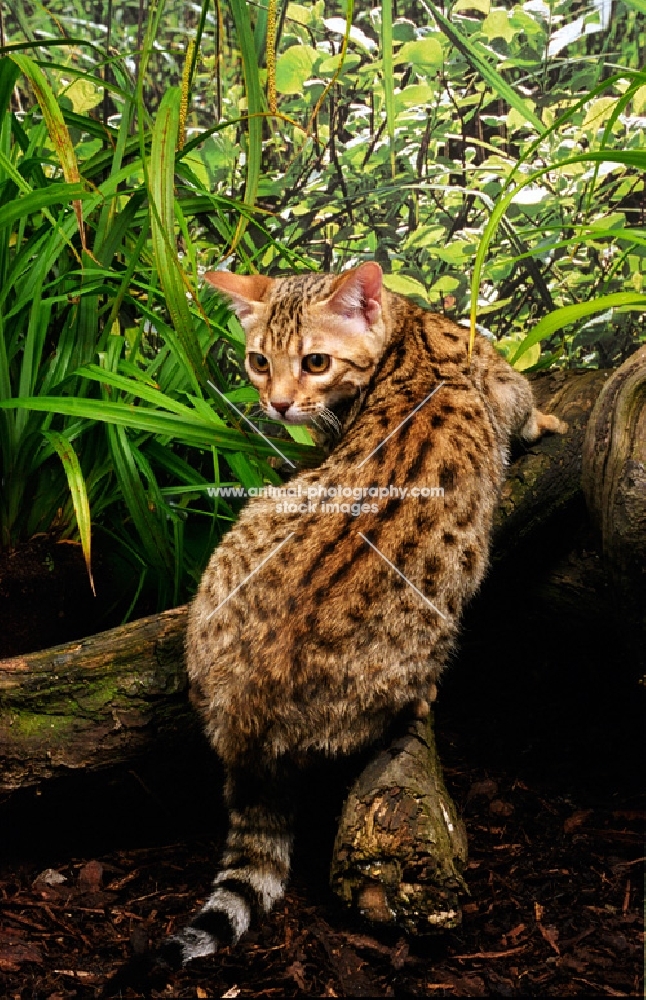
x=253, y=869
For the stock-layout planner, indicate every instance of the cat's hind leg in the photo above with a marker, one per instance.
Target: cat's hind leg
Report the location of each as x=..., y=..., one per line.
x=254, y=866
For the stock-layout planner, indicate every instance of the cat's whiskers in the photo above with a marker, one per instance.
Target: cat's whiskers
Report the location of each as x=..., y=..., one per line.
x=330, y=420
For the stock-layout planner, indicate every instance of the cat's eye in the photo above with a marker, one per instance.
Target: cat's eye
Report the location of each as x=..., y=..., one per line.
x=258, y=363
x=315, y=364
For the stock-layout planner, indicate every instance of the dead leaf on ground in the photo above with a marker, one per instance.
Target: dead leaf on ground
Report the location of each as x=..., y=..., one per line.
x=513, y=934
x=500, y=808
x=576, y=820
x=570, y=962
x=297, y=971
x=91, y=876
x=14, y=953
x=462, y=986
x=49, y=877
x=551, y=935
x=488, y=788
x=400, y=954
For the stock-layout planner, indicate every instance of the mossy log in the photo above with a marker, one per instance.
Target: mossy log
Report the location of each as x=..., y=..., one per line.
x=400, y=847
x=96, y=702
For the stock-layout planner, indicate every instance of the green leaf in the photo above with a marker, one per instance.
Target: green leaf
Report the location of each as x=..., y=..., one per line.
x=299, y=434
x=241, y=17
x=447, y=283
x=639, y=98
x=415, y=96
x=9, y=72
x=403, y=30
x=55, y=126
x=424, y=55
x=598, y=112
x=497, y=25
x=478, y=59
x=456, y=253
x=196, y=432
x=401, y=284
x=483, y=6
x=329, y=66
x=299, y=13
x=293, y=68
x=508, y=346
x=517, y=120
x=616, y=220
x=84, y=95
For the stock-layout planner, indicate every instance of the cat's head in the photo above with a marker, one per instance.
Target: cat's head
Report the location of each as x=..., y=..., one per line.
x=312, y=341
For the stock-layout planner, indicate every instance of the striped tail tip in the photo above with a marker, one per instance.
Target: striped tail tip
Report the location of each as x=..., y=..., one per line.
x=239, y=896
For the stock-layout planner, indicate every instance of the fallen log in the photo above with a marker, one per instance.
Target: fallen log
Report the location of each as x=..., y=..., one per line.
x=93, y=703
x=614, y=483
x=401, y=847
x=103, y=700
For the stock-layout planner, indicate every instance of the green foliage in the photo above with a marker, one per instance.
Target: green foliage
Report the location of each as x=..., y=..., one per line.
x=490, y=158
x=106, y=350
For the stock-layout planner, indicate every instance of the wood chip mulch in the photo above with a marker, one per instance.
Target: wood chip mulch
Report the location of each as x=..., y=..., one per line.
x=555, y=910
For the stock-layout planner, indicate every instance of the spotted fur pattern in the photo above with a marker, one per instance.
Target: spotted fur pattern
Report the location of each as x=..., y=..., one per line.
x=325, y=644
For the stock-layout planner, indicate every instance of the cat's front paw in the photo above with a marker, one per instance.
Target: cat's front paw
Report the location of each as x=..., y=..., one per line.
x=539, y=423
x=549, y=423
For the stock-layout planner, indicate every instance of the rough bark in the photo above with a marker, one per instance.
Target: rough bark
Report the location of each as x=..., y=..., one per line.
x=545, y=479
x=400, y=848
x=96, y=702
x=614, y=482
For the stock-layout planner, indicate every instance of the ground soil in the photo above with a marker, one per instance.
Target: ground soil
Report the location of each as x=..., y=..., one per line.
x=46, y=597
x=539, y=729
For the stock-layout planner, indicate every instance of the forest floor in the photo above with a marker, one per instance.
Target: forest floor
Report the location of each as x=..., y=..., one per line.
x=542, y=746
x=554, y=906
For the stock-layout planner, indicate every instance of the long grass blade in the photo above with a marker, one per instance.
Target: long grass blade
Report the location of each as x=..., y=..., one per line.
x=78, y=491
x=9, y=72
x=241, y=18
x=572, y=314
x=162, y=220
x=197, y=432
x=55, y=126
x=635, y=158
x=388, y=76
x=54, y=194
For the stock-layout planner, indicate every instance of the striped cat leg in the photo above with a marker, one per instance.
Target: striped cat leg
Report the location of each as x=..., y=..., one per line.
x=254, y=865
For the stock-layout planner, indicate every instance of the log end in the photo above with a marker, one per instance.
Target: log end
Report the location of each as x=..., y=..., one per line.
x=401, y=848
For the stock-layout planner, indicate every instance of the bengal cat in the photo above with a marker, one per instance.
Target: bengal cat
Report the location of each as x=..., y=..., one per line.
x=316, y=624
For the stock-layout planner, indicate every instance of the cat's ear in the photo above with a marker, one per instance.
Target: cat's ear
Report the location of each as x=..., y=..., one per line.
x=358, y=293
x=244, y=291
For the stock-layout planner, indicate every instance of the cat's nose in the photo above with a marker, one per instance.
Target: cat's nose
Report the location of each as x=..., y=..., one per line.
x=281, y=407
